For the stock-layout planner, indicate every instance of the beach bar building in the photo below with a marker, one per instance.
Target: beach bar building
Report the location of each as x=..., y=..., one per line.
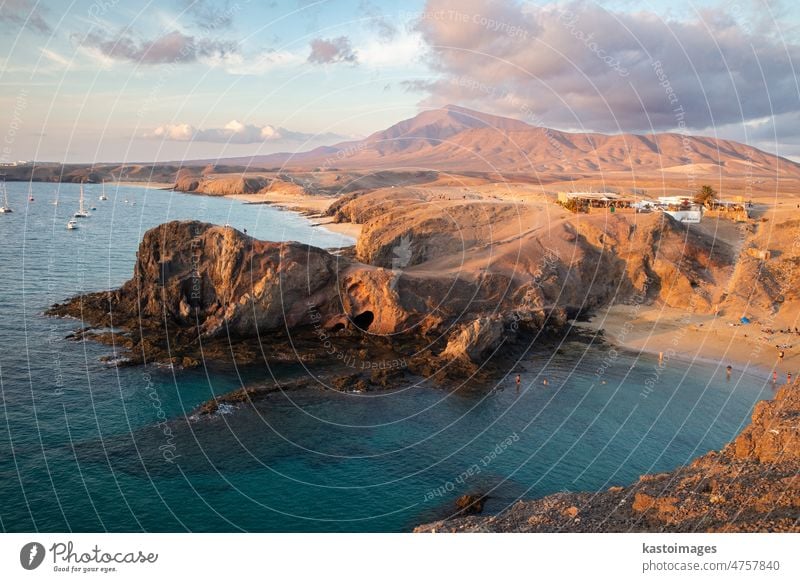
x=603, y=200
x=681, y=208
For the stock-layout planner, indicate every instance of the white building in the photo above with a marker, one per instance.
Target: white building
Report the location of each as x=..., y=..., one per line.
x=681, y=208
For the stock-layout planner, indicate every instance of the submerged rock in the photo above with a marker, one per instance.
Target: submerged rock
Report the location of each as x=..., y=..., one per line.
x=471, y=503
x=752, y=485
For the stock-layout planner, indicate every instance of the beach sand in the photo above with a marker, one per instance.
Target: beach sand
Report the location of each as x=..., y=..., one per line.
x=685, y=336
x=152, y=185
x=312, y=206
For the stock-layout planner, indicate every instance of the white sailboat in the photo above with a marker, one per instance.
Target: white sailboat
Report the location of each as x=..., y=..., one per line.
x=30, y=192
x=82, y=212
x=55, y=200
x=103, y=196
x=5, y=208
x=72, y=224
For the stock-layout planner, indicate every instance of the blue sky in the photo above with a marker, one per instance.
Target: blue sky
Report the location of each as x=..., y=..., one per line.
x=107, y=80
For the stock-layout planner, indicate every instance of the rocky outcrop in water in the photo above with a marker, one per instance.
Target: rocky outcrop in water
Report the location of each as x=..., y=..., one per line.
x=752, y=485
x=197, y=287
x=200, y=290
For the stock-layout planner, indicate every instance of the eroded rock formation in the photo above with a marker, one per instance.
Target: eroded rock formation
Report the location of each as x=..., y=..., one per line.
x=195, y=282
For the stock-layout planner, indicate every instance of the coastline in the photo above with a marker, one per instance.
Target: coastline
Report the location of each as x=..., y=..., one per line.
x=150, y=185
x=748, y=485
x=707, y=338
x=311, y=207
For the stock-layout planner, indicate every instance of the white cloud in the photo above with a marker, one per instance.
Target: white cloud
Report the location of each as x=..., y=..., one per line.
x=401, y=51
x=179, y=132
x=56, y=58
x=256, y=64
x=237, y=132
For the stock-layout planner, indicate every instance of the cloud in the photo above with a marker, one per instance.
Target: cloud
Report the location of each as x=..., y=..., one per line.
x=403, y=49
x=333, y=50
x=577, y=65
x=377, y=21
x=210, y=16
x=783, y=128
x=238, y=133
x=24, y=13
x=173, y=47
x=255, y=64
x=56, y=59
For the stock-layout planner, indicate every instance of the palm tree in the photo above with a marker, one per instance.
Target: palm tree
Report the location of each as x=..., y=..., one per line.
x=705, y=196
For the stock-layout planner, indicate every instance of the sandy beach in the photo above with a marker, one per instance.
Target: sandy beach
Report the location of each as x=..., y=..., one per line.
x=151, y=185
x=682, y=336
x=312, y=206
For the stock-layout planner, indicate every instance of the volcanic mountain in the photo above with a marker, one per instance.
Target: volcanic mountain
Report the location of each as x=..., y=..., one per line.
x=458, y=139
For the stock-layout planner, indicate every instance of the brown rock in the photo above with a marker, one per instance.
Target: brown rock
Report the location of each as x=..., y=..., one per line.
x=471, y=504
x=571, y=512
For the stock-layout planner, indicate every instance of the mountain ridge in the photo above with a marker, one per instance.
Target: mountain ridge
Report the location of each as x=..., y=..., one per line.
x=457, y=138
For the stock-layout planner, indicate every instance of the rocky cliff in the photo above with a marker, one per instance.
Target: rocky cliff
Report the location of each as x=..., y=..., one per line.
x=444, y=295
x=195, y=284
x=548, y=256
x=752, y=485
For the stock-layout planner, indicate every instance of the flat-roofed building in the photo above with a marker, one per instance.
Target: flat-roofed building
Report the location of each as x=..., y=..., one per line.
x=598, y=199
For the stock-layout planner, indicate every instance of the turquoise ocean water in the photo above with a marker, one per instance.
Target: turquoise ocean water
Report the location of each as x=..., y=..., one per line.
x=80, y=448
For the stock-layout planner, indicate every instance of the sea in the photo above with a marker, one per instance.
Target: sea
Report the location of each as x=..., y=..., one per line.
x=86, y=446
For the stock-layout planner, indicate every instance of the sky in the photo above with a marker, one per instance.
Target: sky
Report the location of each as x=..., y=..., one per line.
x=114, y=81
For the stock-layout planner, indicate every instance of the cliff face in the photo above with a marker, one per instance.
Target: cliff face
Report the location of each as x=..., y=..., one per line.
x=222, y=282
x=548, y=256
x=226, y=282
x=457, y=288
x=191, y=181
x=752, y=485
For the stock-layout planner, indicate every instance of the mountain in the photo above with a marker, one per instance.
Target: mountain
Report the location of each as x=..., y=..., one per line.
x=456, y=138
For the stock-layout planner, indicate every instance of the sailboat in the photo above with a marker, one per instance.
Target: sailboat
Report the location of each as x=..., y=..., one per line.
x=55, y=200
x=5, y=208
x=82, y=212
x=30, y=192
x=103, y=196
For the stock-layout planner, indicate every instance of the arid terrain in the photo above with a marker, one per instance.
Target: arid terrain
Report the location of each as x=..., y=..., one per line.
x=468, y=145
x=458, y=267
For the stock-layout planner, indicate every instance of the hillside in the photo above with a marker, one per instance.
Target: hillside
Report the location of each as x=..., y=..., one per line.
x=455, y=138
x=458, y=140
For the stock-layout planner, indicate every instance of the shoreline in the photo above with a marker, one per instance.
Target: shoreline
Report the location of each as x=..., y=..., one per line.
x=311, y=208
x=149, y=185
x=705, y=338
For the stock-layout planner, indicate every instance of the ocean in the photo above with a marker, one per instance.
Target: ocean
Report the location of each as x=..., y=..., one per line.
x=81, y=442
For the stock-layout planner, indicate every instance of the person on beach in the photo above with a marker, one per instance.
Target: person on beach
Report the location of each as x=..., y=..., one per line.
x=780, y=355
x=774, y=377
x=518, y=380
x=728, y=371
x=788, y=377
x=544, y=381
